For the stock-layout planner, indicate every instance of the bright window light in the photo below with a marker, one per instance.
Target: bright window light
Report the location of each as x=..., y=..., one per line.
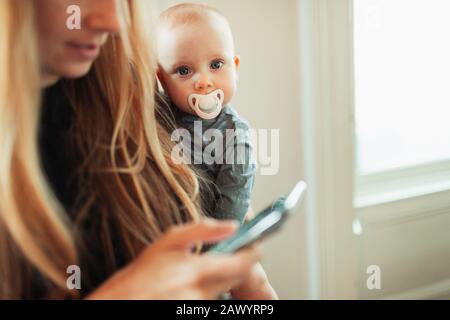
x=402, y=83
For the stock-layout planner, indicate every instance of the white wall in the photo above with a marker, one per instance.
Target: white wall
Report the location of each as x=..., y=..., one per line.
x=268, y=97
x=409, y=241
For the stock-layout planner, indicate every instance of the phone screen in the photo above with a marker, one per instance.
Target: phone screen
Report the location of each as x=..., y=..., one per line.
x=264, y=223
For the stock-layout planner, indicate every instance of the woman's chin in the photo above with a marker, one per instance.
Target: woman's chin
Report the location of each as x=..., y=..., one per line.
x=77, y=71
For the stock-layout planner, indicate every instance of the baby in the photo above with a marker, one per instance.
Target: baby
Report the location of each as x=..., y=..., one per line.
x=198, y=70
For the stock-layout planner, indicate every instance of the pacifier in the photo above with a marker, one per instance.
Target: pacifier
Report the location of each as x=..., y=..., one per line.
x=207, y=106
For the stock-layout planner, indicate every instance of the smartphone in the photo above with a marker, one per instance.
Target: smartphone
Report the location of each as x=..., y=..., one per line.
x=265, y=223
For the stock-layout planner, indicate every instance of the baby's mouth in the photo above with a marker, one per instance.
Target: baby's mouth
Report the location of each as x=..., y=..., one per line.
x=207, y=106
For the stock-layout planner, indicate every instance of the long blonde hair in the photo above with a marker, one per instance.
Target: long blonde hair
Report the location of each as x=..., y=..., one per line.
x=132, y=189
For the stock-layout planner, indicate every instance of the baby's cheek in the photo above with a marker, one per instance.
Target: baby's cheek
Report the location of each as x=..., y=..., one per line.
x=176, y=94
x=181, y=102
x=229, y=83
x=229, y=92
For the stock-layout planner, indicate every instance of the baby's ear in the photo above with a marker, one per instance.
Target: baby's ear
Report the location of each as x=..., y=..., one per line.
x=237, y=62
x=237, y=65
x=159, y=76
x=158, y=73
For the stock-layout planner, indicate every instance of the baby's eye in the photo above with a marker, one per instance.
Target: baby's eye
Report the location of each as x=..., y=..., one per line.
x=183, y=71
x=216, y=64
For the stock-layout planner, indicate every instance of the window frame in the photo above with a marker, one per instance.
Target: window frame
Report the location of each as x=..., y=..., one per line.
x=338, y=197
x=327, y=103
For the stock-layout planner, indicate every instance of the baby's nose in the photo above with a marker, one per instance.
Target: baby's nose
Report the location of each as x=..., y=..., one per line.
x=203, y=83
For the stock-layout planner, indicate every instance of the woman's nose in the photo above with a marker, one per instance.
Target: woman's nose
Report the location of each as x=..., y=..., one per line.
x=104, y=17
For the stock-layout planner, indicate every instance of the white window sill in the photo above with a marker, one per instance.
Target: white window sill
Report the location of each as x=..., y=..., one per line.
x=402, y=184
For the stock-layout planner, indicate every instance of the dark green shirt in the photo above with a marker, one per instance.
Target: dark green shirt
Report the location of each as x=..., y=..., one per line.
x=56, y=157
x=230, y=167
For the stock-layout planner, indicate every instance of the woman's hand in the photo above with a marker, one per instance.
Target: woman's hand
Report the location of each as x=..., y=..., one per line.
x=167, y=269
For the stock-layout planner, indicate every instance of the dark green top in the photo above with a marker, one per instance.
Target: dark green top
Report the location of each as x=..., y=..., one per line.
x=221, y=148
x=58, y=165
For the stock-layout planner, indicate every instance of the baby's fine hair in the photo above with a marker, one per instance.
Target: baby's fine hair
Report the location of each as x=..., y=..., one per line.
x=188, y=13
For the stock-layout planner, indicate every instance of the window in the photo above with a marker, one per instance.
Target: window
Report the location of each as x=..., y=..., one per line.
x=402, y=83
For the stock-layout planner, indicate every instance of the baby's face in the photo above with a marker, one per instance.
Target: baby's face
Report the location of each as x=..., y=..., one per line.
x=197, y=58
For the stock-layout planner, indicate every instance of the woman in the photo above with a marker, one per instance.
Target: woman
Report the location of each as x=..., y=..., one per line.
x=91, y=182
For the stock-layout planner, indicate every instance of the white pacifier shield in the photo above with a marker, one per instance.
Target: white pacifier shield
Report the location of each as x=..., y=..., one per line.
x=207, y=106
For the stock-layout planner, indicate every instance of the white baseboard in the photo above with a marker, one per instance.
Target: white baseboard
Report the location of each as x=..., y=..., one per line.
x=433, y=291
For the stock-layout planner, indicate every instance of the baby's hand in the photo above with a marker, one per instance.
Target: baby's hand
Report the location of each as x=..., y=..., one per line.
x=255, y=287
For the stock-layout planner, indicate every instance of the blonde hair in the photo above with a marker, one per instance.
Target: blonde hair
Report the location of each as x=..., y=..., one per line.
x=132, y=189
